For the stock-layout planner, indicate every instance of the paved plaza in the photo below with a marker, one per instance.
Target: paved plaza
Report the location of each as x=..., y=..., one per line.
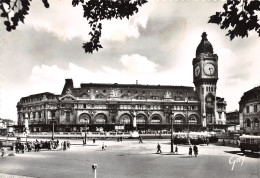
x=131, y=159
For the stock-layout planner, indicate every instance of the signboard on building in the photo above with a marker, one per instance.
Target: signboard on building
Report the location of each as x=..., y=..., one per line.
x=119, y=127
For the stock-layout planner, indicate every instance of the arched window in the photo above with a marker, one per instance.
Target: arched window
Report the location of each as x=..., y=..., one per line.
x=210, y=99
x=125, y=119
x=155, y=120
x=100, y=119
x=84, y=118
x=178, y=120
x=140, y=119
x=193, y=120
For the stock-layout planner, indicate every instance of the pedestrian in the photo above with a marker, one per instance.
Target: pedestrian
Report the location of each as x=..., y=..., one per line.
x=195, y=149
x=140, y=139
x=238, y=143
x=64, y=145
x=22, y=147
x=207, y=141
x=103, y=146
x=94, y=140
x=190, y=151
x=83, y=144
x=68, y=144
x=224, y=143
x=17, y=146
x=176, y=149
x=159, y=148
x=3, y=152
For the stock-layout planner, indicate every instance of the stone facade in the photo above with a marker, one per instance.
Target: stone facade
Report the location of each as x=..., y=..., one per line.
x=249, y=111
x=152, y=107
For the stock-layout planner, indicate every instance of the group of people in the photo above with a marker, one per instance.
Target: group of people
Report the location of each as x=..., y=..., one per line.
x=38, y=145
x=119, y=139
x=65, y=145
x=195, y=150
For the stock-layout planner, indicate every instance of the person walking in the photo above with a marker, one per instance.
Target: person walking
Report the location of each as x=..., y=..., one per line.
x=195, y=149
x=190, y=151
x=103, y=146
x=64, y=145
x=3, y=152
x=176, y=149
x=22, y=147
x=159, y=148
x=68, y=144
x=140, y=139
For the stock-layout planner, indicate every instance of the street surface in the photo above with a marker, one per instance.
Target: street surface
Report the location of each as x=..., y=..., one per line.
x=131, y=159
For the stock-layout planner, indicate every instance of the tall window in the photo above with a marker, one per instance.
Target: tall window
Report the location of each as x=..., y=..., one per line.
x=209, y=100
x=248, y=123
x=247, y=109
x=256, y=122
x=255, y=108
x=67, y=116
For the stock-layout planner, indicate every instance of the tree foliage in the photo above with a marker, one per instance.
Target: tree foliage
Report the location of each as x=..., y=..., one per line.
x=95, y=11
x=239, y=17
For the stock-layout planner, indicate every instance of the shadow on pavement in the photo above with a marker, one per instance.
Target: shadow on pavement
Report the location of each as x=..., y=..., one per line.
x=188, y=157
x=172, y=154
x=247, y=154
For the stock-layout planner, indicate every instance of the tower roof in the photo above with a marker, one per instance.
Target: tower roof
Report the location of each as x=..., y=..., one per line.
x=204, y=46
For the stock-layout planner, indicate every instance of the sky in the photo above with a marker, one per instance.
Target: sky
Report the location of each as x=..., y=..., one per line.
x=155, y=46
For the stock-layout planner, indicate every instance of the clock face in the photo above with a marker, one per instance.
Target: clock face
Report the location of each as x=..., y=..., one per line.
x=209, y=69
x=197, y=71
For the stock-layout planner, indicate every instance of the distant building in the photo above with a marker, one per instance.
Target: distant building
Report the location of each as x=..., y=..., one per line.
x=249, y=111
x=221, y=110
x=108, y=107
x=233, y=120
x=6, y=126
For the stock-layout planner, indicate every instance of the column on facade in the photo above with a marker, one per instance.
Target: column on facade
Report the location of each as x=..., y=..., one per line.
x=48, y=114
x=36, y=116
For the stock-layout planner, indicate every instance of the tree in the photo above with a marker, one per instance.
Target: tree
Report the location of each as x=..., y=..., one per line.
x=239, y=17
x=14, y=11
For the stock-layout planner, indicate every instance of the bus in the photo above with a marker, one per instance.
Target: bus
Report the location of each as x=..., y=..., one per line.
x=195, y=137
x=250, y=142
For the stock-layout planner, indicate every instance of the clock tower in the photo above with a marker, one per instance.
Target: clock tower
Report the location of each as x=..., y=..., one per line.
x=205, y=77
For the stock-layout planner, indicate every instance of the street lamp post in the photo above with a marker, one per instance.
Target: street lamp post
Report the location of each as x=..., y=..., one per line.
x=172, y=114
x=52, y=136
x=86, y=131
x=188, y=123
x=52, y=122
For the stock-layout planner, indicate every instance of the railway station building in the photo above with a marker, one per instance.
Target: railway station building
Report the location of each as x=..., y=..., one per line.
x=126, y=107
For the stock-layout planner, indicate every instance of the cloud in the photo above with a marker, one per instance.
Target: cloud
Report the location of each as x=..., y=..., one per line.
x=134, y=64
x=120, y=30
x=67, y=22
x=137, y=64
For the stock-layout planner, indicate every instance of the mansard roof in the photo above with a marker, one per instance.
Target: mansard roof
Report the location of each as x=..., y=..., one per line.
x=251, y=95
